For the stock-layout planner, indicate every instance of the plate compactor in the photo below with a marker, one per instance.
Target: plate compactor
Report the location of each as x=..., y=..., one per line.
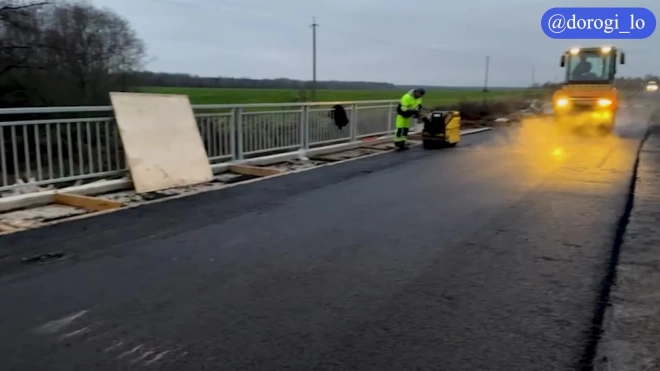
x=442, y=129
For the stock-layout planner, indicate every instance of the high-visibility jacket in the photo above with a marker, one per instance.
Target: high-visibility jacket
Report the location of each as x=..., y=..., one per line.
x=408, y=104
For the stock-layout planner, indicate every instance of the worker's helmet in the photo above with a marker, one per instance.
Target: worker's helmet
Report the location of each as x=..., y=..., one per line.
x=420, y=91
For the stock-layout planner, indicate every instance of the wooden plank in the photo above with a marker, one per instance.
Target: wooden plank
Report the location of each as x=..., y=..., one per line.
x=7, y=228
x=254, y=170
x=18, y=225
x=164, y=148
x=85, y=202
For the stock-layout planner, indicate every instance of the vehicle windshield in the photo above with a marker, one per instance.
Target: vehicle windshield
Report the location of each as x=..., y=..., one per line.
x=589, y=66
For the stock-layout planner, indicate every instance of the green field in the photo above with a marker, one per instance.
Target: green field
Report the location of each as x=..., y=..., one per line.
x=237, y=96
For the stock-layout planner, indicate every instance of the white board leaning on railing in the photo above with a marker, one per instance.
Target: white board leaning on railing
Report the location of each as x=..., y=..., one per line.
x=163, y=146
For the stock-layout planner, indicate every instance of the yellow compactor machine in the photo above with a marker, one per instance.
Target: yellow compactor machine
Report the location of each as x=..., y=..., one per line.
x=588, y=98
x=442, y=129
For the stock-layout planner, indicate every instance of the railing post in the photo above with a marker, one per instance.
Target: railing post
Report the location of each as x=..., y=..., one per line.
x=238, y=155
x=354, y=121
x=304, y=127
x=232, y=134
x=390, y=118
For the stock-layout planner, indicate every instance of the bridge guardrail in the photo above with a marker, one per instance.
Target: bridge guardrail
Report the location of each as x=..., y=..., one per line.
x=64, y=145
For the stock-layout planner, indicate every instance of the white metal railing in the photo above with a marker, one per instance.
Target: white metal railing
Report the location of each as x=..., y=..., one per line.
x=61, y=145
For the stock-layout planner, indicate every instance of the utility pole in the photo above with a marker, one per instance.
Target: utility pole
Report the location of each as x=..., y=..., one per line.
x=486, y=79
x=314, y=25
x=533, y=77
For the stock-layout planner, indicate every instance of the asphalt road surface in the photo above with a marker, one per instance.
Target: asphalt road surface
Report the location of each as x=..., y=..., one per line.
x=488, y=256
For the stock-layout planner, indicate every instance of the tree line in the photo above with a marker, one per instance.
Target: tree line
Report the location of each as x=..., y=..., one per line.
x=64, y=53
x=162, y=79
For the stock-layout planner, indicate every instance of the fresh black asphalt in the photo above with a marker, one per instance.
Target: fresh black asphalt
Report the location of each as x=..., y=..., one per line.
x=488, y=256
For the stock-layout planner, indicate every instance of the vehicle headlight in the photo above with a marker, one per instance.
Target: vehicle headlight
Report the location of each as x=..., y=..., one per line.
x=562, y=102
x=604, y=102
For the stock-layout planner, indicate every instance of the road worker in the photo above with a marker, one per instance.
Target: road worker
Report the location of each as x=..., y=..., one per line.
x=408, y=108
x=582, y=68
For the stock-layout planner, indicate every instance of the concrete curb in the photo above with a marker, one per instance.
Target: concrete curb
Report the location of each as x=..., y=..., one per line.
x=630, y=322
x=44, y=198
x=474, y=131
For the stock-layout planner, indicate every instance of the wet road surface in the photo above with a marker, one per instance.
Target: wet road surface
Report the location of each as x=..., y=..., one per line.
x=488, y=256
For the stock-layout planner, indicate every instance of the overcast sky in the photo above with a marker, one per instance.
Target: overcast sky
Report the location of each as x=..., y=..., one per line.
x=429, y=42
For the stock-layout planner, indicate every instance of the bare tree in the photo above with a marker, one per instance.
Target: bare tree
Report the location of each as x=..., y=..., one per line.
x=19, y=35
x=65, y=52
x=92, y=48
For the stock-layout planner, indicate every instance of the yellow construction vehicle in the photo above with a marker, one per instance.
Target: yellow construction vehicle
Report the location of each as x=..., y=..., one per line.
x=588, y=99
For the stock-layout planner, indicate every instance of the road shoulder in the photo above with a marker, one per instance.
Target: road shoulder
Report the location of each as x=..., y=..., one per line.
x=632, y=321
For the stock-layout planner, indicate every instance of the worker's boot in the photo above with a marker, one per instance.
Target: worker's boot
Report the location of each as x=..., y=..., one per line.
x=401, y=146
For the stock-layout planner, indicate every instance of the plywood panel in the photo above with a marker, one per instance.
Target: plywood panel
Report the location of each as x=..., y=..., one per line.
x=162, y=142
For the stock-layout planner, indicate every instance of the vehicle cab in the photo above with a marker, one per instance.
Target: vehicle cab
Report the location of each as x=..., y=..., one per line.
x=589, y=80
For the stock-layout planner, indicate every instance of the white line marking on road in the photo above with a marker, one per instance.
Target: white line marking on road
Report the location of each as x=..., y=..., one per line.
x=474, y=131
x=112, y=347
x=74, y=333
x=143, y=356
x=57, y=325
x=129, y=352
x=157, y=358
